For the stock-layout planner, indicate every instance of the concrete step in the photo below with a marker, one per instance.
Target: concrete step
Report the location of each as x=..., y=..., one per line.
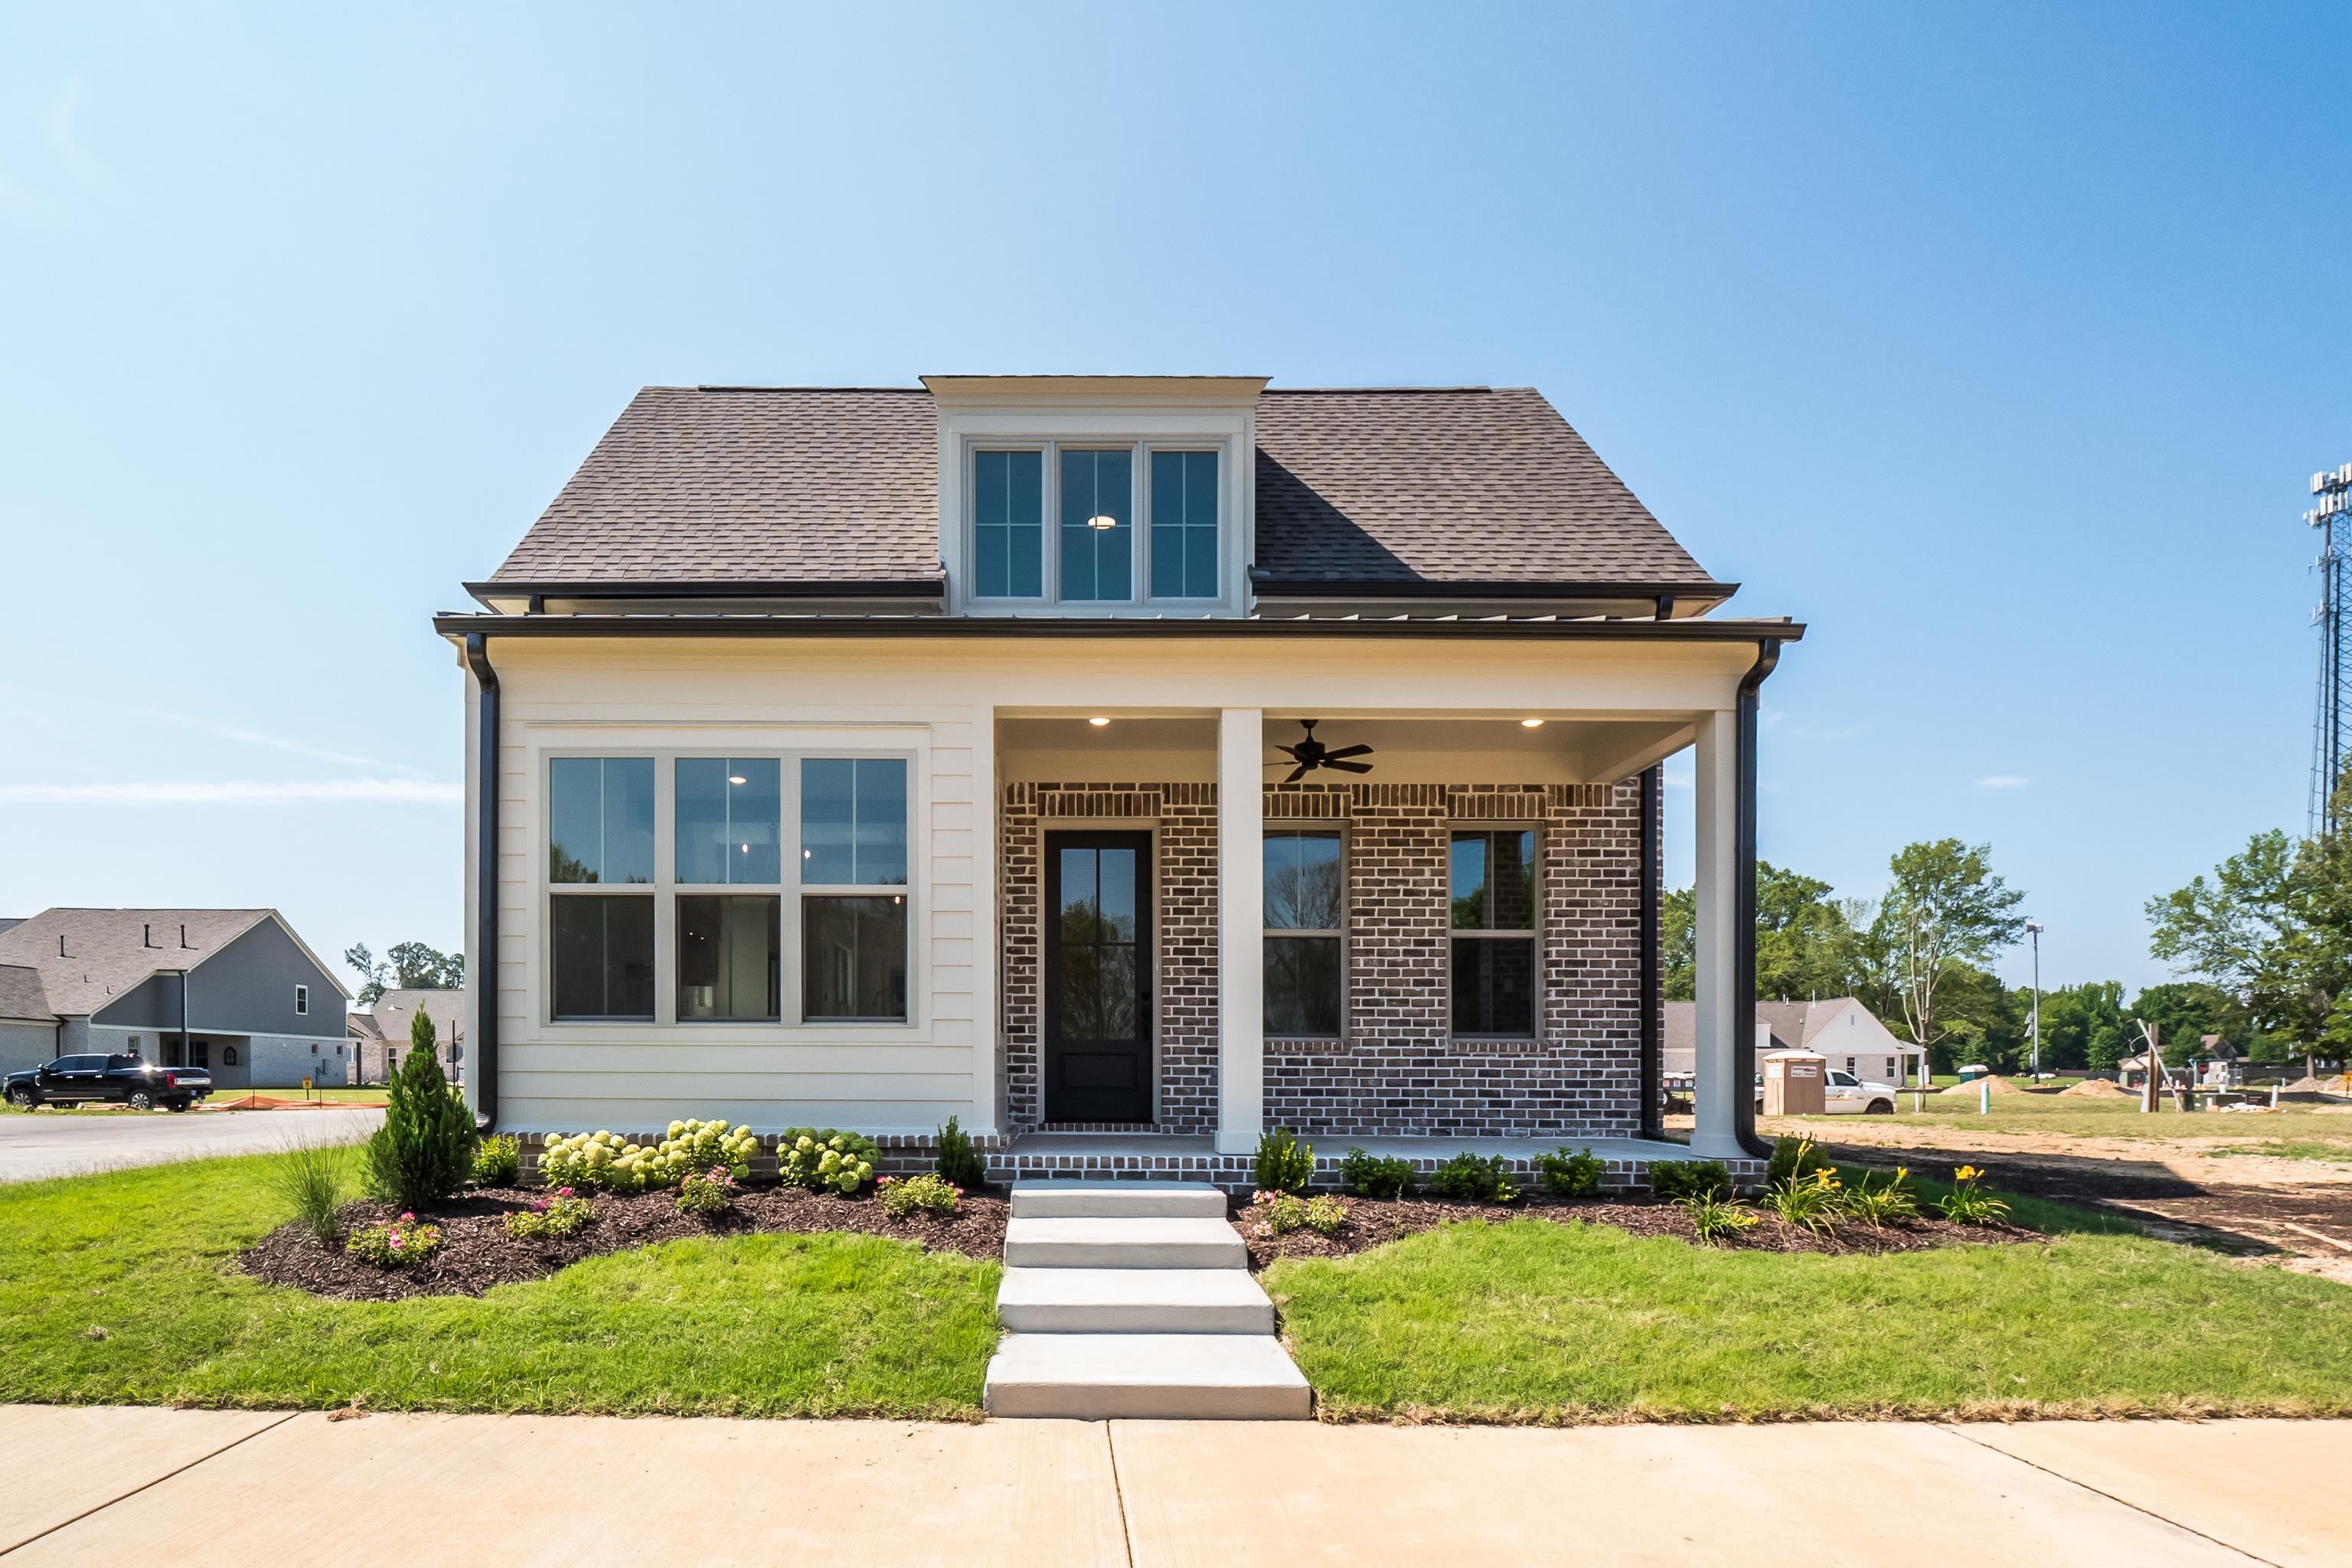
x=1153, y=1243
x=1099, y=1377
x=1117, y=1200
x=1133, y=1301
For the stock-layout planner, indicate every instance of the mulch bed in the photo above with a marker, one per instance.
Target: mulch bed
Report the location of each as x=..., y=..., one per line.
x=477, y=1252
x=1375, y=1223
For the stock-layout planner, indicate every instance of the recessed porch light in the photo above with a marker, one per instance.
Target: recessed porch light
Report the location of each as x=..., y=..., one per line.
x=1101, y=521
x=1099, y=721
x=737, y=779
x=1530, y=723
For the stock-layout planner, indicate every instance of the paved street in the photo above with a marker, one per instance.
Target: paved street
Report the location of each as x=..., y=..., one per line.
x=69, y=1143
x=206, y=1486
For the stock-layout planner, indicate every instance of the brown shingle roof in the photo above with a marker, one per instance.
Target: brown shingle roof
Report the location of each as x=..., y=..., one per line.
x=1449, y=485
x=391, y=1016
x=1457, y=484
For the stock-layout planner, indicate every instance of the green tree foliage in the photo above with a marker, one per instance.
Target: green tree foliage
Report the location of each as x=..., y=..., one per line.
x=2184, y=1013
x=2084, y=1025
x=408, y=967
x=1946, y=913
x=1801, y=939
x=425, y=1149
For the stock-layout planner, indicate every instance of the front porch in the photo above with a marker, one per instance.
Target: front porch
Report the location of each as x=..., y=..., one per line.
x=1163, y=1157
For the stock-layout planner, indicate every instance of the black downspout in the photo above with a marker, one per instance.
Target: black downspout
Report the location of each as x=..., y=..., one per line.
x=187, y=1057
x=1654, y=1097
x=1743, y=915
x=482, y=963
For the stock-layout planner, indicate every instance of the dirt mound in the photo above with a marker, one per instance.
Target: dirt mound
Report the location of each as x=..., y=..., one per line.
x=2000, y=1085
x=2098, y=1089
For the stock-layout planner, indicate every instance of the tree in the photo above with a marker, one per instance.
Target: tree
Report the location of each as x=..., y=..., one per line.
x=409, y=967
x=1801, y=939
x=425, y=1149
x=2084, y=1025
x=2184, y=1012
x=2273, y=929
x=1947, y=910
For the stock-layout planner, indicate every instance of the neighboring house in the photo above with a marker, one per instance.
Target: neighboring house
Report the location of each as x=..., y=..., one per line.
x=867, y=757
x=232, y=990
x=28, y=1029
x=1844, y=1032
x=380, y=1031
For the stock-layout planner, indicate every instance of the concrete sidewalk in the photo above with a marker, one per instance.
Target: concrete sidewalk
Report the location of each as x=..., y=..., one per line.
x=117, y=1486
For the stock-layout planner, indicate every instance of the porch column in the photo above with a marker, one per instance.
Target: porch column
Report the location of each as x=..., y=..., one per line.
x=1241, y=930
x=1715, y=1135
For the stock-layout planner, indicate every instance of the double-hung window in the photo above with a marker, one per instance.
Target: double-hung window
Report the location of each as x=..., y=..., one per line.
x=1493, y=935
x=730, y=833
x=854, y=888
x=1089, y=523
x=601, y=837
x=1305, y=912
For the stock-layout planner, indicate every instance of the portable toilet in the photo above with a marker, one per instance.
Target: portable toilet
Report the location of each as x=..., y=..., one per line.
x=1794, y=1083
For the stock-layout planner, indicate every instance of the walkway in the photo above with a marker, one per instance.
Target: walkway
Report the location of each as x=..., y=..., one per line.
x=42, y=1144
x=197, y=1488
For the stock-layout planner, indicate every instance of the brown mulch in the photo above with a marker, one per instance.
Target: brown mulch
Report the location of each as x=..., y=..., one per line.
x=1375, y=1223
x=477, y=1252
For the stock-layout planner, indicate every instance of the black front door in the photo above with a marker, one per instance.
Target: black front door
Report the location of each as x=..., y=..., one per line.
x=1099, y=977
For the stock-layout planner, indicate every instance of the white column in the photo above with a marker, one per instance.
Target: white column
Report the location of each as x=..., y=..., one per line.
x=1715, y=1136
x=1241, y=930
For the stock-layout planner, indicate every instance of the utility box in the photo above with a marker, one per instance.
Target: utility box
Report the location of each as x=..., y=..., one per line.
x=1794, y=1083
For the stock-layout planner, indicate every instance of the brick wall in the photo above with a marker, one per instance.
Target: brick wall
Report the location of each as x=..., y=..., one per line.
x=1398, y=1071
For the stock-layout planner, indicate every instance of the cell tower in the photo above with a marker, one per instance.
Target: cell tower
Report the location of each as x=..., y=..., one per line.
x=2331, y=726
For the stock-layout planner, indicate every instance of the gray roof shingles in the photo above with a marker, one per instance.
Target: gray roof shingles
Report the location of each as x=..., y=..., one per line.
x=106, y=952
x=21, y=996
x=1455, y=485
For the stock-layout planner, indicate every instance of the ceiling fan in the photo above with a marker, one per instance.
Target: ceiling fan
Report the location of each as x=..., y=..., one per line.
x=1311, y=754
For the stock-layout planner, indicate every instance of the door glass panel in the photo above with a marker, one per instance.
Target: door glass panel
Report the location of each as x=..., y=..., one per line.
x=1100, y=964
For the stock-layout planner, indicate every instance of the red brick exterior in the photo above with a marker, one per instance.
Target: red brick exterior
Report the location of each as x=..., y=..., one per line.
x=1398, y=1072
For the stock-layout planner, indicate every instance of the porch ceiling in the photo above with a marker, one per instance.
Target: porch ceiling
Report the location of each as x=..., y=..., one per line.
x=1406, y=749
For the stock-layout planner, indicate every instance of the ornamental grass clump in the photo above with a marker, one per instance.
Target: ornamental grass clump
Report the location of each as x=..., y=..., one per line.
x=1283, y=1163
x=1814, y=1203
x=1468, y=1178
x=707, y=1192
x=401, y=1243
x=559, y=1214
x=1376, y=1175
x=1714, y=1215
x=498, y=1161
x=925, y=1193
x=1968, y=1204
x=1568, y=1175
x=308, y=1179
x=424, y=1150
x=1888, y=1201
x=824, y=1161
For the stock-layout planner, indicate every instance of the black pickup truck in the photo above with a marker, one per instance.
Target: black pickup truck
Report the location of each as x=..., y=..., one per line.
x=120, y=1080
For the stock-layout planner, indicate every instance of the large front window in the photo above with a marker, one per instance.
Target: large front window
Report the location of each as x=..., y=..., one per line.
x=854, y=883
x=601, y=834
x=1092, y=524
x=1494, y=937
x=1305, y=910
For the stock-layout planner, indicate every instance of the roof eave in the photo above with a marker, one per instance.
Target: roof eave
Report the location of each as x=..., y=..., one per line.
x=456, y=625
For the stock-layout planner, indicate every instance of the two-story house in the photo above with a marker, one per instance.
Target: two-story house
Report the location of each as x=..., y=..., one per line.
x=1124, y=765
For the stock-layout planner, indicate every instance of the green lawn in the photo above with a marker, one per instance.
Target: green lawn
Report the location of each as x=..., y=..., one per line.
x=1532, y=1320
x=123, y=1288
x=2079, y=1116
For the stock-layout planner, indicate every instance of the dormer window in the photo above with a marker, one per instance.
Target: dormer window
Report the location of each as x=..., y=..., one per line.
x=1113, y=540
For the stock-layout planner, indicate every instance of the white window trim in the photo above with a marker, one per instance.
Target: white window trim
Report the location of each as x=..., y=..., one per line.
x=1232, y=434
x=1535, y=936
x=1292, y=826
x=665, y=889
x=302, y=1001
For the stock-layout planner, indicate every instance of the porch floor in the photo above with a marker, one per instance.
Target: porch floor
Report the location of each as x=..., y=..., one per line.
x=1081, y=1156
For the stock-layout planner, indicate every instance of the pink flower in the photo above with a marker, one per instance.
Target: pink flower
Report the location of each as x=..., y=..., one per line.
x=564, y=1192
x=407, y=1218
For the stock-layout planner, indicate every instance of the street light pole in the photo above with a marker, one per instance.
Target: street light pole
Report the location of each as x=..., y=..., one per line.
x=2033, y=930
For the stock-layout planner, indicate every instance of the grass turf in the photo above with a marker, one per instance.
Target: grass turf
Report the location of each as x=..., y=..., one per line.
x=1533, y=1321
x=123, y=1288
x=2078, y=1117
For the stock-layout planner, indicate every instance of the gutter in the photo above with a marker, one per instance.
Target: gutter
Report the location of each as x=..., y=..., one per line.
x=720, y=623
x=1743, y=872
x=1653, y=1006
x=1267, y=585
x=481, y=964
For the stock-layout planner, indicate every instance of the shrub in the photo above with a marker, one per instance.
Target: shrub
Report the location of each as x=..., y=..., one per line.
x=1376, y=1175
x=961, y=1165
x=425, y=1149
x=1287, y=1211
x=401, y=1243
x=1326, y=1213
x=498, y=1161
x=1889, y=1200
x=1283, y=1163
x=614, y=1164
x=707, y=1192
x=1714, y=1215
x=824, y=1161
x=1675, y=1180
x=1791, y=1158
x=1467, y=1177
x=309, y=1178
x=1814, y=1202
x=919, y=1194
x=1967, y=1204
x=1569, y=1175
x=558, y=1213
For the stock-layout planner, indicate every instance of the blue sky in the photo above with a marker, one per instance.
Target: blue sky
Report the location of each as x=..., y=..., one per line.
x=1996, y=342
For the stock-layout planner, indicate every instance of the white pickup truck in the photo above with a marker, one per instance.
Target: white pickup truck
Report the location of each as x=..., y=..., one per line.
x=1845, y=1095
